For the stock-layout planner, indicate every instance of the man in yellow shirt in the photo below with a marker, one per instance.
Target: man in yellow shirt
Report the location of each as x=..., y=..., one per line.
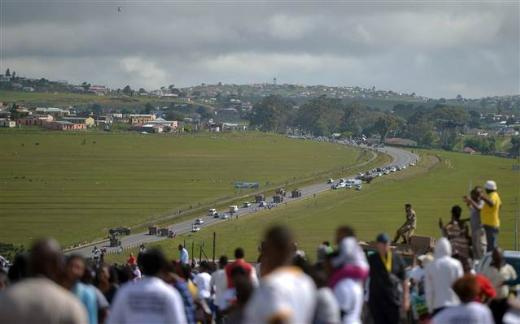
x=490, y=214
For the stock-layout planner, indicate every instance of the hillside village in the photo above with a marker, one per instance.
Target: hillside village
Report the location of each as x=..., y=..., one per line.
x=228, y=107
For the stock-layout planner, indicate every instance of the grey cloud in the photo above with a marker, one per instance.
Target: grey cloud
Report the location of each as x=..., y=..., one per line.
x=435, y=51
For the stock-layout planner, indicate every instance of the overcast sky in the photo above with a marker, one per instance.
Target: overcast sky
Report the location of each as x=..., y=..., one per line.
x=436, y=50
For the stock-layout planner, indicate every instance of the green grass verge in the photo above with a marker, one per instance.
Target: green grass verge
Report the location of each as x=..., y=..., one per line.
x=74, y=186
x=437, y=183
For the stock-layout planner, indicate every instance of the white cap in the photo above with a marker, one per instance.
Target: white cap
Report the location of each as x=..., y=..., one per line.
x=490, y=185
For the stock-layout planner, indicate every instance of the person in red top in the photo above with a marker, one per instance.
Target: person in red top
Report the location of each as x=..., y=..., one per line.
x=131, y=260
x=240, y=262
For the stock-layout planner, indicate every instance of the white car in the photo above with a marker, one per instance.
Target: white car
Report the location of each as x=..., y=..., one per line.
x=247, y=204
x=339, y=185
x=262, y=204
x=195, y=228
x=199, y=221
x=212, y=212
x=224, y=216
x=358, y=187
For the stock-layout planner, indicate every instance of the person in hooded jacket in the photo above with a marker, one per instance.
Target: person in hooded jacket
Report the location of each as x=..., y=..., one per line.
x=440, y=276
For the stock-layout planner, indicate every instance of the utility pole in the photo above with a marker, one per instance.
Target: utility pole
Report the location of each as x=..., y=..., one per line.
x=214, y=245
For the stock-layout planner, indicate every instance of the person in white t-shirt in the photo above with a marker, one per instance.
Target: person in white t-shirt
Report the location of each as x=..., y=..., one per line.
x=469, y=311
x=218, y=286
x=285, y=294
x=202, y=281
x=149, y=300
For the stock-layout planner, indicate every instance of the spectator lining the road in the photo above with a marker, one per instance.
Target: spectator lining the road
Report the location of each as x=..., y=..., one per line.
x=184, y=257
x=457, y=232
x=388, y=289
x=218, y=285
x=490, y=214
x=74, y=271
x=149, y=300
x=440, y=276
x=478, y=238
x=285, y=293
x=40, y=299
x=469, y=311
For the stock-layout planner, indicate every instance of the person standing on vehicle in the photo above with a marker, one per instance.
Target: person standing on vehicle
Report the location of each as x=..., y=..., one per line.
x=490, y=214
x=475, y=204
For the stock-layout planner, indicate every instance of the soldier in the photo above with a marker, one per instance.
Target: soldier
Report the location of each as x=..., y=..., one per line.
x=407, y=229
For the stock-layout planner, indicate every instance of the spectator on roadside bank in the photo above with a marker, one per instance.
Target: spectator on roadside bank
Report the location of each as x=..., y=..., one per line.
x=241, y=263
x=440, y=276
x=478, y=237
x=285, y=294
x=218, y=286
x=490, y=214
x=388, y=292
x=457, y=233
x=149, y=300
x=184, y=257
x=469, y=311
x=74, y=271
x=40, y=299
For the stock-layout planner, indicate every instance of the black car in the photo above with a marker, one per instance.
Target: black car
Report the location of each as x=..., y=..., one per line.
x=119, y=231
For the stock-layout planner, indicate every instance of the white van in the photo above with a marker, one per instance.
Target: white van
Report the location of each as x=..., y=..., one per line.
x=233, y=209
x=212, y=212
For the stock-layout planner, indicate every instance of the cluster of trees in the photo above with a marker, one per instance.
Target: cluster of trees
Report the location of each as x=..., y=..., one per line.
x=322, y=116
x=485, y=145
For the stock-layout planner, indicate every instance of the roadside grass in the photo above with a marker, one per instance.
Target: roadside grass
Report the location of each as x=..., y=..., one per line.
x=436, y=184
x=74, y=186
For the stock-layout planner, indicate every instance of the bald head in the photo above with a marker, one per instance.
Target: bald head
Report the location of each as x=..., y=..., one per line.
x=46, y=259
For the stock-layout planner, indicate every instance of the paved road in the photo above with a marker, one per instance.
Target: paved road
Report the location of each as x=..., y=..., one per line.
x=399, y=157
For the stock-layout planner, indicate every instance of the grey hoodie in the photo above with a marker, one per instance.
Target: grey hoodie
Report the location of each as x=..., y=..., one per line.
x=440, y=276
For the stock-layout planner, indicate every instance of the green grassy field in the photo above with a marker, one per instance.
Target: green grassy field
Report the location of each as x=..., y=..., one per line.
x=75, y=186
x=433, y=187
x=65, y=100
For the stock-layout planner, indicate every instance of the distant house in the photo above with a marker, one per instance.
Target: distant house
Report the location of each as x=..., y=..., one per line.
x=64, y=126
x=140, y=119
x=173, y=124
x=56, y=112
x=88, y=121
x=4, y=122
x=99, y=90
x=35, y=120
x=469, y=150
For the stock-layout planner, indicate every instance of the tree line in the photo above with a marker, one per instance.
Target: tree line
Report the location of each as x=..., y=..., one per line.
x=436, y=126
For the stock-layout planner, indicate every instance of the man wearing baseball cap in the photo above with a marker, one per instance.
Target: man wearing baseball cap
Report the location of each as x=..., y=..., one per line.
x=490, y=214
x=388, y=288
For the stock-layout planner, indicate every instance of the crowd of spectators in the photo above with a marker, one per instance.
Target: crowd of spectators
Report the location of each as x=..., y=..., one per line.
x=347, y=283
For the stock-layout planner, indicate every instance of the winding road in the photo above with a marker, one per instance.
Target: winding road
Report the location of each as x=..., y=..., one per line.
x=399, y=157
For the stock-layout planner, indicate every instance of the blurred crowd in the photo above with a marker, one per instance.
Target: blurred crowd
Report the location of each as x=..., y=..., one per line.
x=347, y=282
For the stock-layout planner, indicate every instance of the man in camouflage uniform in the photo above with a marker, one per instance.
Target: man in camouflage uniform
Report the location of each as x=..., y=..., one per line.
x=407, y=229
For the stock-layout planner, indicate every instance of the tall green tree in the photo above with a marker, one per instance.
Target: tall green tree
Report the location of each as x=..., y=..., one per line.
x=272, y=114
x=386, y=124
x=515, y=146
